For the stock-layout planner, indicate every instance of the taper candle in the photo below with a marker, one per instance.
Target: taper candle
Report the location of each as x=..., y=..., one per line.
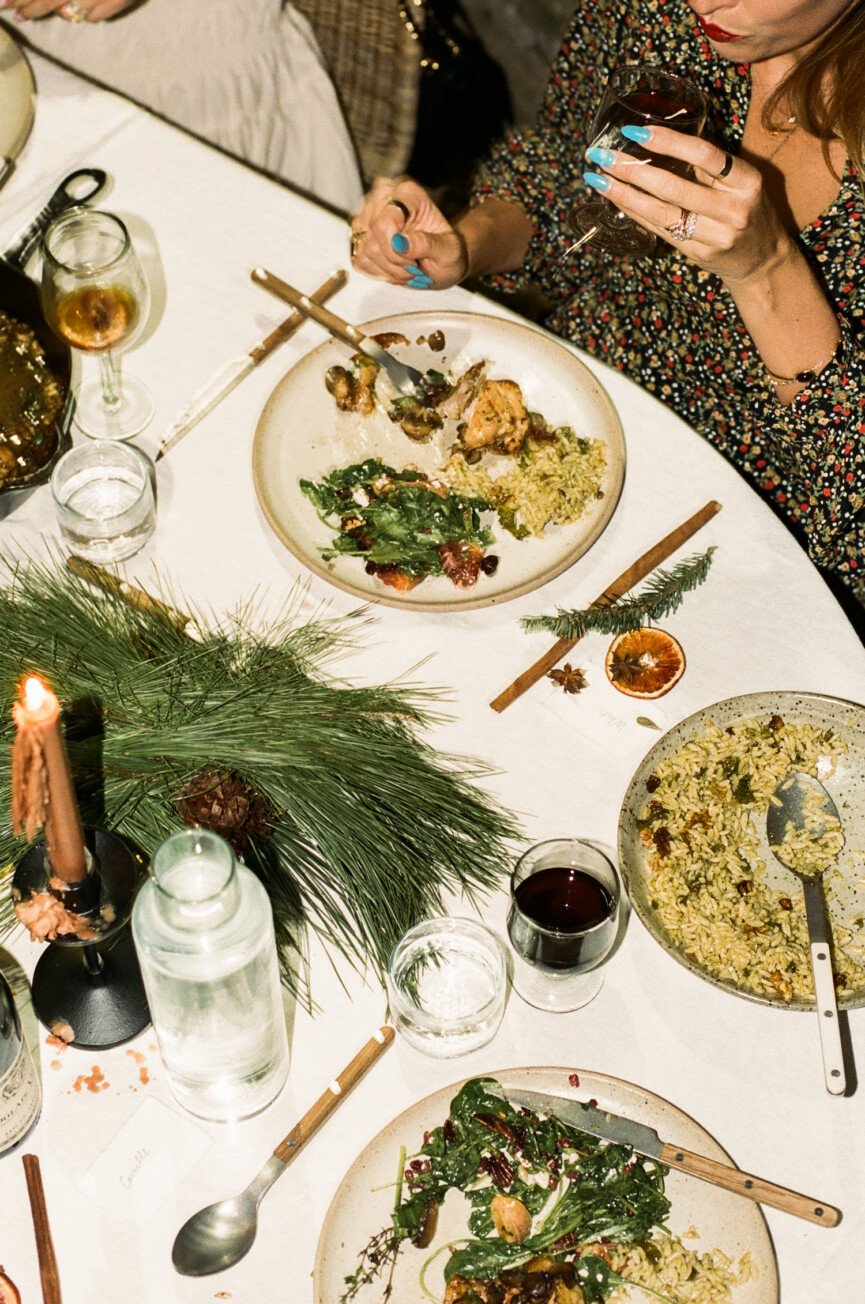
x=42, y=790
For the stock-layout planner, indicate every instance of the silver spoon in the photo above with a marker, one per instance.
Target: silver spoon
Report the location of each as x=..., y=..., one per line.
x=220, y=1235
x=804, y=804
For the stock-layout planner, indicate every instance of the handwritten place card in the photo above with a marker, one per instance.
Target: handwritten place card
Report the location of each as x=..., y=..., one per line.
x=147, y=1160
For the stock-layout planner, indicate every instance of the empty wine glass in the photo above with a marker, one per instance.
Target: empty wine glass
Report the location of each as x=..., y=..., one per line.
x=95, y=297
x=643, y=96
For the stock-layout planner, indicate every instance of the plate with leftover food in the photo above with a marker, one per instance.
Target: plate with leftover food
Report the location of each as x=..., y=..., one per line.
x=17, y=95
x=466, y=1197
x=35, y=398
x=497, y=476
x=695, y=856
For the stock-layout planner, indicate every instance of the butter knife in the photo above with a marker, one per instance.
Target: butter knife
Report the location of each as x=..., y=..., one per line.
x=645, y=1140
x=230, y=376
x=404, y=378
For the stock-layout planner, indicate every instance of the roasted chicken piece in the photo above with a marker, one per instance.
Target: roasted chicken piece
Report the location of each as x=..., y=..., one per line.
x=499, y=419
x=518, y=1287
x=464, y=392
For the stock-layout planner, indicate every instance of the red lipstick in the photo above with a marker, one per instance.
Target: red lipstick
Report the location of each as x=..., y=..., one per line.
x=717, y=34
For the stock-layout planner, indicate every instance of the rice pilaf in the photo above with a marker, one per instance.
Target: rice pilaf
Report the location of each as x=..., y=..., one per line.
x=550, y=482
x=706, y=873
x=665, y=1264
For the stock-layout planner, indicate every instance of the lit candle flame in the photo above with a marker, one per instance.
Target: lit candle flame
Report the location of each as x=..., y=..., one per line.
x=39, y=701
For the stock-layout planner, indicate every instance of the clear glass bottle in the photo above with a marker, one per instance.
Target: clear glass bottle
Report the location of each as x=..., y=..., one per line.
x=203, y=929
x=20, y=1090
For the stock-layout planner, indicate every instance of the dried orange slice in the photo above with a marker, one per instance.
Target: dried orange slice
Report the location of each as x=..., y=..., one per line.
x=644, y=662
x=8, y=1290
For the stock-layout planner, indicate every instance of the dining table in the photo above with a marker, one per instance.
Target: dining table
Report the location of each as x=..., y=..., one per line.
x=763, y=621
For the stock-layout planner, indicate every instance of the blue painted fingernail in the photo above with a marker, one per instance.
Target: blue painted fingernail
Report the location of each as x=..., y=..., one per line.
x=603, y=157
x=399, y=243
x=415, y=271
x=595, y=181
x=420, y=282
x=639, y=134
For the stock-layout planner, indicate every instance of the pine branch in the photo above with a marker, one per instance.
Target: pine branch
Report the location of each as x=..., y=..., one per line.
x=662, y=595
x=371, y=829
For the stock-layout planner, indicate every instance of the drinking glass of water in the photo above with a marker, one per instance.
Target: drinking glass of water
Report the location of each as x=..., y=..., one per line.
x=447, y=982
x=563, y=921
x=103, y=497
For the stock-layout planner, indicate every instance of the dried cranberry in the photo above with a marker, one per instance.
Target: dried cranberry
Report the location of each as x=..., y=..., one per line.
x=652, y=783
x=574, y=1078
x=448, y=1130
x=490, y=564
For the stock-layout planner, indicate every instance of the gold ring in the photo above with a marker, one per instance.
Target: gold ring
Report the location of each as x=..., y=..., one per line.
x=73, y=12
x=684, y=228
x=356, y=237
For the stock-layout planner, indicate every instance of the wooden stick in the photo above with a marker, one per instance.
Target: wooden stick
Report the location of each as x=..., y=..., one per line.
x=44, y=1245
x=334, y=1095
x=637, y=571
x=103, y=579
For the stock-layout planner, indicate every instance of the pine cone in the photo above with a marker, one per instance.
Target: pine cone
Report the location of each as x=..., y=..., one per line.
x=226, y=804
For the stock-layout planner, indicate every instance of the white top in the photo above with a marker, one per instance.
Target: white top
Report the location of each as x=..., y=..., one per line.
x=763, y=620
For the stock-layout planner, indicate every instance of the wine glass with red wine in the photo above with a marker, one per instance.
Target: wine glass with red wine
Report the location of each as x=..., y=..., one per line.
x=95, y=297
x=563, y=923
x=643, y=96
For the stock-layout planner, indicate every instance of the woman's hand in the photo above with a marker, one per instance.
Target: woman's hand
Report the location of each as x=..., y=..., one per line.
x=73, y=11
x=733, y=231
x=400, y=236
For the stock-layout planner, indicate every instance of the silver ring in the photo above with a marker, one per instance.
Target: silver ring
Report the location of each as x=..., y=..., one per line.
x=684, y=228
x=397, y=203
x=725, y=170
x=73, y=12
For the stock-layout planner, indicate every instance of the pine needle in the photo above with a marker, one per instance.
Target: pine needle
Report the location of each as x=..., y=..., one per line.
x=372, y=829
x=661, y=596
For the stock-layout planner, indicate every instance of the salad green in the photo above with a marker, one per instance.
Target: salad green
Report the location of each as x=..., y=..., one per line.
x=399, y=519
x=581, y=1193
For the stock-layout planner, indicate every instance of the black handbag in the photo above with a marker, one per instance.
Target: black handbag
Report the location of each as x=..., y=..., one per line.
x=463, y=98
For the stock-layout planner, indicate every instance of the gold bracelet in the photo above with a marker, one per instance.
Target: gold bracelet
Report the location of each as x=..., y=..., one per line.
x=803, y=377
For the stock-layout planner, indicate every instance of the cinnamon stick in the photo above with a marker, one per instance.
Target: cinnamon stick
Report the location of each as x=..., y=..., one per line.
x=48, y=1273
x=637, y=571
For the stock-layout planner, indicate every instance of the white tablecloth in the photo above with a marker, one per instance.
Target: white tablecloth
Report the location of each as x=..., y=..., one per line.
x=764, y=620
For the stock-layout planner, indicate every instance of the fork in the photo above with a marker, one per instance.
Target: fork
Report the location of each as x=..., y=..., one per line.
x=404, y=378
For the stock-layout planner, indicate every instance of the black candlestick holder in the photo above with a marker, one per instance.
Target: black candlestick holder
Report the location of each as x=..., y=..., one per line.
x=92, y=984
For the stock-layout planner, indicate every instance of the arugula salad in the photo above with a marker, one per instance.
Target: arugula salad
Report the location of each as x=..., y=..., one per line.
x=548, y=1206
x=406, y=525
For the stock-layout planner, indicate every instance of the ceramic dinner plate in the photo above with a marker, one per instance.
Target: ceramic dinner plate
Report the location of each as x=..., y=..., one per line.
x=302, y=435
x=364, y=1199
x=846, y=902
x=17, y=97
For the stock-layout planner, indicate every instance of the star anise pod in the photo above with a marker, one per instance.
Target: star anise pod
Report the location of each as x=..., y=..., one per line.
x=571, y=679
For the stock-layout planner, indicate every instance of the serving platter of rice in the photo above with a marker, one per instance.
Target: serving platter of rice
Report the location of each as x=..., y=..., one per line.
x=560, y=491
x=695, y=857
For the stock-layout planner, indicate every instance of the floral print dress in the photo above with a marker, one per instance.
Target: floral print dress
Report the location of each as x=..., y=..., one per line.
x=672, y=326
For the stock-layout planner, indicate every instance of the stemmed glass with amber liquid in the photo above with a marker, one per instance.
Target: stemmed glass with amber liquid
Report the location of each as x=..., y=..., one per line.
x=95, y=297
x=640, y=95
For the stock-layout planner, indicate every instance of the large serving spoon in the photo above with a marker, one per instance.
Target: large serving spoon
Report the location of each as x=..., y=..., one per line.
x=217, y=1237
x=801, y=803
